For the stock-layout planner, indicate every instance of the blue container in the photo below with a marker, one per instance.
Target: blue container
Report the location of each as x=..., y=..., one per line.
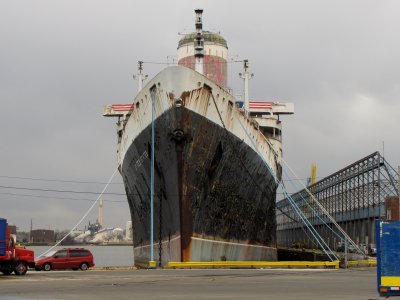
x=3, y=228
x=388, y=258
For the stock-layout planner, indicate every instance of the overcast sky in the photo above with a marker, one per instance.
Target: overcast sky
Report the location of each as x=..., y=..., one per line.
x=61, y=61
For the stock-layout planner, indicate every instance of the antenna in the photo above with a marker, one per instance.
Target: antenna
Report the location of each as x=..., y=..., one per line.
x=140, y=77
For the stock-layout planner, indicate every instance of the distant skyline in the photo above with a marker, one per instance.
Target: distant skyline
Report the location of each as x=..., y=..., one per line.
x=61, y=61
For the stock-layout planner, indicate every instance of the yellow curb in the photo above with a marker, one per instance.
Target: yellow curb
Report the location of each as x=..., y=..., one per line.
x=367, y=262
x=255, y=264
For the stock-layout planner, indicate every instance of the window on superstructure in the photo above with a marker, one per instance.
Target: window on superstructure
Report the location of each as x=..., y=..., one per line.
x=268, y=132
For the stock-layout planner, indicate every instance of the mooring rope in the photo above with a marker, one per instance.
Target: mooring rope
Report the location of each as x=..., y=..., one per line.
x=305, y=220
x=83, y=217
x=308, y=224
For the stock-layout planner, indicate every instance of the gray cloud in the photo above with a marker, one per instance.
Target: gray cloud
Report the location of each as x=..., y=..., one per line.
x=61, y=61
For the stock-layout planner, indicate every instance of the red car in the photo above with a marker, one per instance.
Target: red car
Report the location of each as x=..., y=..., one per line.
x=67, y=258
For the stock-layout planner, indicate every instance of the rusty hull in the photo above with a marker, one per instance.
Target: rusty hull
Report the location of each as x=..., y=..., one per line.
x=214, y=195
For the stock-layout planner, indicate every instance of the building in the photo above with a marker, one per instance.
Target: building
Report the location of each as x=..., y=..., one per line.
x=42, y=236
x=22, y=237
x=13, y=229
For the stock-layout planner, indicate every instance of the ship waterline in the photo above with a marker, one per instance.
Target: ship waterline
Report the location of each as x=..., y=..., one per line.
x=215, y=173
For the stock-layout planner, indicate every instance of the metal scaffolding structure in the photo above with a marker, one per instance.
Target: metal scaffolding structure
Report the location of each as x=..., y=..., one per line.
x=353, y=196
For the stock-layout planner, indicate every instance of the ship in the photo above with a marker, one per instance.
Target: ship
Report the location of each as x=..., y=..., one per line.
x=200, y=168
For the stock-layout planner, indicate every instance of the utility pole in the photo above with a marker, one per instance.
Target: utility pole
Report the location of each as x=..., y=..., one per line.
x=30, y=233
x=152, y=263
x=345, y=252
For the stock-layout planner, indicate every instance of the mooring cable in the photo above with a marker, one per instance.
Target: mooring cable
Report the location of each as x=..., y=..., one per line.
x=317, y=214
x=346, y=236
x=313, y=231
x=84, y=216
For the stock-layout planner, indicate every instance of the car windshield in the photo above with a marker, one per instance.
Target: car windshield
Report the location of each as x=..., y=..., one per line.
x=49, y=254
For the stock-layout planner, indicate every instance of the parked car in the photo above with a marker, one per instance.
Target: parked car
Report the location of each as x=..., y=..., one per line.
x=67, y=258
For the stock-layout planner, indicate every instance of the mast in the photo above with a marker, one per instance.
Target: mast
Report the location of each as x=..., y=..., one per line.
x=205, y=52
x=199, y=42
x=246, y=76
x=140, y=77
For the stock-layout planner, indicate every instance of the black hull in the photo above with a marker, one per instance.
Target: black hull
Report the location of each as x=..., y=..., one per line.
x=214, y=195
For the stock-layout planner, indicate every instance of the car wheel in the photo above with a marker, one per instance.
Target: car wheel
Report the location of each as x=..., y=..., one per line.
x=20, y=268
x=7, y=272
x=84, y=266
x=46, y=267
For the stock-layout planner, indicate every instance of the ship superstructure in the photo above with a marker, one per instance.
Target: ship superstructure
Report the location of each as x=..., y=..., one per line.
x=216, y=161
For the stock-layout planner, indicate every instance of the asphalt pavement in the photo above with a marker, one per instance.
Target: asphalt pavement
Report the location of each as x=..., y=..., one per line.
x=274, y=284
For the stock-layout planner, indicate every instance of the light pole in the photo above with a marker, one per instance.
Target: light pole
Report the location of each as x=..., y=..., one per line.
x=152, y=263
